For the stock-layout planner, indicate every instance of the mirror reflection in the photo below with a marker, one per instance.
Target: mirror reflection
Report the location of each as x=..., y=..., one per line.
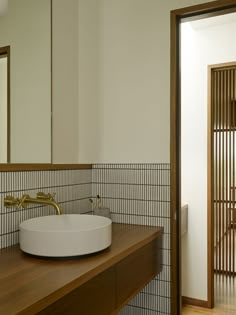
x=26, y=28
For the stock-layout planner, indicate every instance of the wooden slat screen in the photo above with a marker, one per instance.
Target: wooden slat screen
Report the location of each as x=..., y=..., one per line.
x=223, y=94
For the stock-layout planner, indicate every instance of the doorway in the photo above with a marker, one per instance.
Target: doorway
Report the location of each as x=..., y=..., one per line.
x=222, y=103
x=177, y=17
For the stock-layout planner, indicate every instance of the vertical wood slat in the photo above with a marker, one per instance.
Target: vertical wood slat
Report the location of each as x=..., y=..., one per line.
x=227, y=167
x=230, y=161
x=215, y=144
x=227, y=170
x=220, y=179
x=216, y=159
x=233, y=254
x=233, y=167
x=223, y=105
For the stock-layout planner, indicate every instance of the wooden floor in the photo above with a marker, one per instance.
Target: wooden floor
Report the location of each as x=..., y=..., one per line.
x=225, y=298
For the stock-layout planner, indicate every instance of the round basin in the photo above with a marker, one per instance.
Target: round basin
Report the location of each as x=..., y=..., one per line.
x=65, y=235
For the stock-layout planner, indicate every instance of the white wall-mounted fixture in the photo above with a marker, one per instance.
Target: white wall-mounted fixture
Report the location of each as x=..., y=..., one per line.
x=3, y=7
x=184, y=219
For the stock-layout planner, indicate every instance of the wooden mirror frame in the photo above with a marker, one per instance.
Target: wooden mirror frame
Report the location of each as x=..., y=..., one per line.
x=41, y=167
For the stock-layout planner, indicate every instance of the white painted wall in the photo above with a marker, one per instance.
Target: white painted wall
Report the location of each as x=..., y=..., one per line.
x=202, y=44
x=90, y=114
x=135, y=120
x=26, y=28
x=124, y=76
x=121, y=73
x=65, y=81
x=3, y=110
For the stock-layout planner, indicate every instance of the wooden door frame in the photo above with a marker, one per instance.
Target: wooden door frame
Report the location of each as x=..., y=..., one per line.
x=213, y=8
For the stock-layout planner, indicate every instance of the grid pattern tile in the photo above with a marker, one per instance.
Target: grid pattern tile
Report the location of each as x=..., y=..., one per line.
x=73, y=190
x=140, y=194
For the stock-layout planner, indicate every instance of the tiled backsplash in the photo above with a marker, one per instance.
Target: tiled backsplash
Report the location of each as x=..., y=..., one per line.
x=140, y=194
x=135, y=193
x=73, y=189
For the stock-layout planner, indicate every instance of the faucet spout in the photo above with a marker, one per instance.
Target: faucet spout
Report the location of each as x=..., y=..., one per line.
x=41, y=199
x=26, y=199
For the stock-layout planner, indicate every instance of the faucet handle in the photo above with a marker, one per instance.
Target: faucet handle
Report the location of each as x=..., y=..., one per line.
x=21, y=201
x=42, y=195
x=52, y=196
x=10, y=201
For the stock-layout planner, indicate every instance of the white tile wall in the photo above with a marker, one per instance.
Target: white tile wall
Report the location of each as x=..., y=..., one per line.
x=140, y=194
x=73, y=189
x=135, y=193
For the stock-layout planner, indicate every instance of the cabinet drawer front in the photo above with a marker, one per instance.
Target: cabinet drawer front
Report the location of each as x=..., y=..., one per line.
x=96, y=296
x=134, y=272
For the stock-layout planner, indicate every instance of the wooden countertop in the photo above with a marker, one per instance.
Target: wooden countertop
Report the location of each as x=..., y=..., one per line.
x=29, y=284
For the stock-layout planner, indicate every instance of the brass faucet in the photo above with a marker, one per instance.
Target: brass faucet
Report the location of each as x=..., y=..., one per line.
x=41, y=199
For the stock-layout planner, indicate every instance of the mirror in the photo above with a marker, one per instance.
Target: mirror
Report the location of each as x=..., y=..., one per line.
x=26, y=29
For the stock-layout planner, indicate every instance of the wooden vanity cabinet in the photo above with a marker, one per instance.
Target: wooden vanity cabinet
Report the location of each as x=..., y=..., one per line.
x=97, y=284
x=109, y=291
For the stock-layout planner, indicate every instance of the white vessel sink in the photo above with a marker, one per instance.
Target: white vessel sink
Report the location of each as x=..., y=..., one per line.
x=65, y=235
